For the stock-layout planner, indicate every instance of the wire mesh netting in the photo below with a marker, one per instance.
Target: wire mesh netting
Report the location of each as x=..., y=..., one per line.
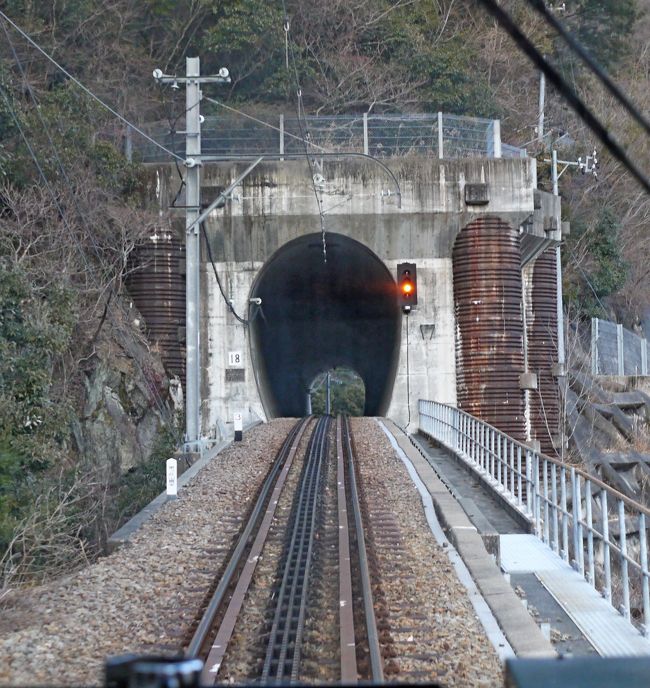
x=435, y=135
x=616, y=350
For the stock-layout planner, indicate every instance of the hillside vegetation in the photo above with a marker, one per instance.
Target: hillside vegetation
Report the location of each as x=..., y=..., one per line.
x=70, y=214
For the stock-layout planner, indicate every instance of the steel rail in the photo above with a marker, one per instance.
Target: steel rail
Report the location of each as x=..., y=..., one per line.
x=207, y=621
x=282, y=659
x=227, y=626
x=374, y=650
x=346, y=610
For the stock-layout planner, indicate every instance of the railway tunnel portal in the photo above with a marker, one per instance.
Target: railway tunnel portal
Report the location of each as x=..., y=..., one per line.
x=265, y=243
x=322, y=307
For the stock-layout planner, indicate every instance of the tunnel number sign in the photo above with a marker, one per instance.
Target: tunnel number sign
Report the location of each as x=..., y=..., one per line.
x=235, y=358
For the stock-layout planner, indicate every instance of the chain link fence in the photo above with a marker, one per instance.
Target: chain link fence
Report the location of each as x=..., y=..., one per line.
x=617, y=351
x=434, y=135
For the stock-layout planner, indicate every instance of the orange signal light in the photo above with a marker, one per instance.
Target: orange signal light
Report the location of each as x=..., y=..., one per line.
x=407, y=286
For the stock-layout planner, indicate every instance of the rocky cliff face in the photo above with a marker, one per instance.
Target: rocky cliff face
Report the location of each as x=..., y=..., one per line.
x=127, y=401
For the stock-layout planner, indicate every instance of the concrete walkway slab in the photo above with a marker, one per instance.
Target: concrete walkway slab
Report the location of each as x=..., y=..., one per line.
x=609, y=633
x=520, y=630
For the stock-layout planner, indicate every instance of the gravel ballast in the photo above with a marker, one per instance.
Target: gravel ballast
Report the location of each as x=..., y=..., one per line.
x=145, y=596
x=434, y=632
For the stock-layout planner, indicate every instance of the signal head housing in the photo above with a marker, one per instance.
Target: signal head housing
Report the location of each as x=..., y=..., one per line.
x=407, y=286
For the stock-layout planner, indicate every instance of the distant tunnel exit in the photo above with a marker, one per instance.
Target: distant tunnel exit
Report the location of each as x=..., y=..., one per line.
x=316, y=316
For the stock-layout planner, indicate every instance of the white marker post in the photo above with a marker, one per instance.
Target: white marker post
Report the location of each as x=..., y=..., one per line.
x=238, y=421
x=172, y=479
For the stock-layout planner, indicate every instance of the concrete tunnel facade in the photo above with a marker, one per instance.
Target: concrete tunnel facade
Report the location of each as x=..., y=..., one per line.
x=251, y=241
x=322, y=310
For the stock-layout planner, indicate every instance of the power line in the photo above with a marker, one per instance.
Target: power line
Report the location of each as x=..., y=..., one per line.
x=574, y=100
x=266, y=124
x=87, y=90
x=227, y=301
x=551, y=20
x=319, y=201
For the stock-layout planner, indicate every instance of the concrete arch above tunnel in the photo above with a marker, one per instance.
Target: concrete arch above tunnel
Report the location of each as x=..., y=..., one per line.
x=317, y=315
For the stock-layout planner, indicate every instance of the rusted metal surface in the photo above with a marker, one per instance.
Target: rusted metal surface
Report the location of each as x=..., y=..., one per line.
x=375, y=661
x=346, y=613
x=489, y=324
x=542, y=352
x=227, y=626
x=157, y=285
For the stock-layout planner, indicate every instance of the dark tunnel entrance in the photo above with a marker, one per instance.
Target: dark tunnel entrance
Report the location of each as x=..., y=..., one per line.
x=316, y=316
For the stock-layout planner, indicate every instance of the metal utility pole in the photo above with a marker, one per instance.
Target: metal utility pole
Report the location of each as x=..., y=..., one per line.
x=561, y=357
x=193, y=81
x=589, y=166
x=328, y=398
x=542, y=95
x=192, y=254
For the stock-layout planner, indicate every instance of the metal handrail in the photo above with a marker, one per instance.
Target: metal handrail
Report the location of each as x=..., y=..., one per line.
x=550, y=495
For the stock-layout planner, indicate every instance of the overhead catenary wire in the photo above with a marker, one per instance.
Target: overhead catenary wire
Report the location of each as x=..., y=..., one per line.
x=601, y=74
x=84, y=88
x=267, y=124
x=508, y=24
x=299, y=105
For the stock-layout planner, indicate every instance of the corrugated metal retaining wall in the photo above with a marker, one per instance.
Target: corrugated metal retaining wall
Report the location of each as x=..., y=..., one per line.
x=489, y=324
x=157, y=285
x=542, y=352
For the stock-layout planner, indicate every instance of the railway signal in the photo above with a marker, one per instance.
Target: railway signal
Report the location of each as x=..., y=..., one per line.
x=407, y=286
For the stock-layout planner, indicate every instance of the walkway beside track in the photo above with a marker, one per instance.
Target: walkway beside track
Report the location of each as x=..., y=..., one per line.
x=576, y=618
x=520, y=630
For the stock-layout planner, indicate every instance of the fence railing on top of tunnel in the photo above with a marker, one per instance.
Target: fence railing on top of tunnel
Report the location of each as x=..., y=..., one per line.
x=436, y=135
x=596, y=529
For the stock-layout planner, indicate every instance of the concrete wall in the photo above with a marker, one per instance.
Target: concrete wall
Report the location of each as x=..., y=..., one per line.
x=360, y=199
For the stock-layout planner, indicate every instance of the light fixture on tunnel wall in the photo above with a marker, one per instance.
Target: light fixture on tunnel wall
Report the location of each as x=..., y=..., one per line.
x=407, y=286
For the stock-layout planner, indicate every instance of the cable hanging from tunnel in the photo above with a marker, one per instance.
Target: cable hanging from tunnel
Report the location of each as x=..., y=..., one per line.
x=304, y=135
x=244, y=321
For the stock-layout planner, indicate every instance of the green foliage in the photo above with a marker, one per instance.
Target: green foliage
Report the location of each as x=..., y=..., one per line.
x=248, y=37
x=444, y=70
x=347, y=393
x=607, y=269
x=62, y=132
x=35, y=329
x=12, y=489
x=345, y=59
x=138, y=486
x=603, y=26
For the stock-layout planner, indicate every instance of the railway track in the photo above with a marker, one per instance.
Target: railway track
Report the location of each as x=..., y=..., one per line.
x=320, y=523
